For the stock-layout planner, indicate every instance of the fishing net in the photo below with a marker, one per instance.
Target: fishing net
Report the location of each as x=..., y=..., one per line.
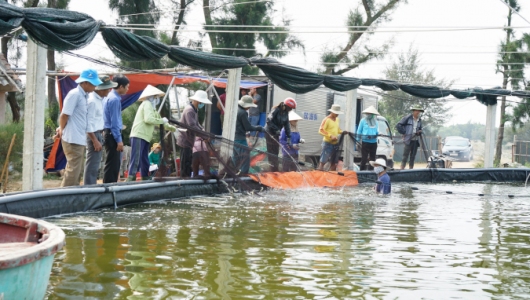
x=132, y=47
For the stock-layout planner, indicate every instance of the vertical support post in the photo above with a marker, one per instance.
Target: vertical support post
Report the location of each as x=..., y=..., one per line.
x=229, y=124
x=2, y=107
x=349, y=118
x=489, y=149
x=33, y=158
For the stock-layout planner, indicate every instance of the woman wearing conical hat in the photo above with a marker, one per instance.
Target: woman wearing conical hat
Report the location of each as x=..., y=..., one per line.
x=142, y=131
x=368, y=131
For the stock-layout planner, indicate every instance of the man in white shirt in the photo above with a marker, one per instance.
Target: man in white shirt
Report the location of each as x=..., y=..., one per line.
x=73, y=125
x=95, y=125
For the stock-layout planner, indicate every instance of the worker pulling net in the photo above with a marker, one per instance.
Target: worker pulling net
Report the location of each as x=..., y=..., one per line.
x=218, y=157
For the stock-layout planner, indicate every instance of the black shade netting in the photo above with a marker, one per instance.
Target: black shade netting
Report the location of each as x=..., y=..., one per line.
x=293, y=79
x=341, y=83
x=132, y=47
x=60, y=29
x=205, y=60
x=11, y=17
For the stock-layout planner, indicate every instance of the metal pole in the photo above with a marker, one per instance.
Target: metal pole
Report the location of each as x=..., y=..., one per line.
x=34, y=118
x=166, y=95
x=178, y=104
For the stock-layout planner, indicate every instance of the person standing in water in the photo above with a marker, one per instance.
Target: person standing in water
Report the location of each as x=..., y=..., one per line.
x=290, y=153
x=383, y=185
x=368, y=130
x=277, y=120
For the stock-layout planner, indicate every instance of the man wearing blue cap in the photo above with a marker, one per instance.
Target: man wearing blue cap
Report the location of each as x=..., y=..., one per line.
x=73, y=125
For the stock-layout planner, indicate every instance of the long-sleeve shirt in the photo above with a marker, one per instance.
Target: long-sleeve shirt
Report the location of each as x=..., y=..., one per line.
x=407, y=129
x=368, y=133
x=295, y=139
x=145, y=120
x=330, y=128
x=385, y=186
x=75, y=107
x=278, y=119
x=190, y=118
x=112, y=115
x=243, y=125
x=95, y=120
x=154, y=158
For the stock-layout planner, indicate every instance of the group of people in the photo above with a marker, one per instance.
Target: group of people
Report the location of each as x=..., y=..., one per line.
x=91, y=121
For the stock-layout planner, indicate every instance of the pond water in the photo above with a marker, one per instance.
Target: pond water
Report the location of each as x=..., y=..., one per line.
x=304, y=244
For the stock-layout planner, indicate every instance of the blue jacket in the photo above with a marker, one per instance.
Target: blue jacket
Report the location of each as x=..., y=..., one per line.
x=368, y=134
x=295, y=139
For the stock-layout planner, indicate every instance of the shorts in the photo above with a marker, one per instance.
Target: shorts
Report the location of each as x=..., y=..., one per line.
x=329, y=152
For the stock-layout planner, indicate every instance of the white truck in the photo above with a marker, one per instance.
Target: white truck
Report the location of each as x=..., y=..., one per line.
x=313, y=107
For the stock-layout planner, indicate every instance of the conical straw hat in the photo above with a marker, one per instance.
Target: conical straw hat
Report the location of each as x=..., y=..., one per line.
x=294, y=116
x=150, y=91
x=371, y=110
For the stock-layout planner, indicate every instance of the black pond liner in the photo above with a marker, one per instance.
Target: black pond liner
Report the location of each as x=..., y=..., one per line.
x=45, y=203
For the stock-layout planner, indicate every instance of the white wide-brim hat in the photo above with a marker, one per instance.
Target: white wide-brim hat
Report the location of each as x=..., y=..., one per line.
x=150, y=91
x=379, y=162
x=294, y=116
x=335, y=108
x=371, y=110
x=201, y=96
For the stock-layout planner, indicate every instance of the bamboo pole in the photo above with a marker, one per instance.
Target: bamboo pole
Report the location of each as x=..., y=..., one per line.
x=5, y=170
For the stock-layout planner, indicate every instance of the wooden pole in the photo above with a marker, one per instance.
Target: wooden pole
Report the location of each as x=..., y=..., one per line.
x=489, y=149
x=2, y=107
x=33, y=157
x=349, y=125
x=5, y=169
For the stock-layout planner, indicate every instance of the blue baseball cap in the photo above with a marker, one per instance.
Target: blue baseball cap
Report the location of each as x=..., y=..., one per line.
x=89, y=75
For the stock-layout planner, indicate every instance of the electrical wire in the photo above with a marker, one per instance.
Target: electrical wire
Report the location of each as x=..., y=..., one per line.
x=314, y=32
x=514, y=11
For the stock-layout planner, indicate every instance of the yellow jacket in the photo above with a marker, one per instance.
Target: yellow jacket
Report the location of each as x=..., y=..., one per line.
x=330, y=128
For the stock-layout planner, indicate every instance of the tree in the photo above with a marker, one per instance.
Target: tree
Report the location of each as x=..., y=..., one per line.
x=521, y=112
x=5, y=43
x=181, y=8
x=243, y=15
x=53, y=111
x=350, y=56
x=509, y=65
x=138, y=12
x=396, y=104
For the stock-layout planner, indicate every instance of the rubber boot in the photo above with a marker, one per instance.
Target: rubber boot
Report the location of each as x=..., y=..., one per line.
x=146, y=178
x=131, y=178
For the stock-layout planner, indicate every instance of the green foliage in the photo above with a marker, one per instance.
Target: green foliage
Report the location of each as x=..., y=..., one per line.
x=472, y=131
x=137, y=12
x=127, y=116
x=6, y=134
x=396, y=104
x=52, y=115
x=349, y=56
x=258, y=14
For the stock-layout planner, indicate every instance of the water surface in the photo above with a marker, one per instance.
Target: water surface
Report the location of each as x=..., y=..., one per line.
x=305, y=244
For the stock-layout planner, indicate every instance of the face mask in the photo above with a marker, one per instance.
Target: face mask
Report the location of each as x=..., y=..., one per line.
x=378, y=169
x=201, y=105
x=154, y=101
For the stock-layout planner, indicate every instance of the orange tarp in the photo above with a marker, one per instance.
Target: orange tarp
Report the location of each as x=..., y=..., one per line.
x=295, y=180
